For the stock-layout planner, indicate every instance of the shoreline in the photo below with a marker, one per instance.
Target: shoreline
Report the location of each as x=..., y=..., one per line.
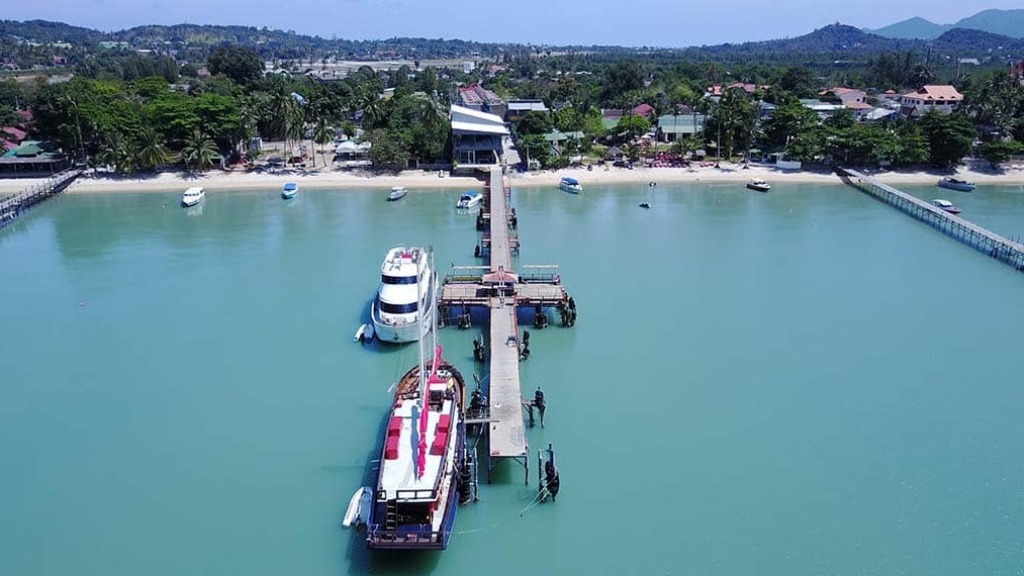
x=417, y=179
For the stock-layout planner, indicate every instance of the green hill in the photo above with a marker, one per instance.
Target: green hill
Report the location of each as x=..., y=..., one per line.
x=1005, y=22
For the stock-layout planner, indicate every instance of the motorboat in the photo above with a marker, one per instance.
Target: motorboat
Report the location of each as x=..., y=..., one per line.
x=364, y=333
x=954, y=184
x=420, y=480
x=193, y=196
x=358, y=507
x=570, y=185
x=946, y=205
x=290, y=190
x=397, y=193
x=759, y=185
x=469, y=200
x=404, y=306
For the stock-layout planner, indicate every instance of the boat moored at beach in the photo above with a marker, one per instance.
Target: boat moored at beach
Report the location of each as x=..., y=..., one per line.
x=946, y=205
x=404, y=306
x=469, y=200
x=954, y=184
x=397, y=193
x=193, y=196
x=570, y=185
x=759, y=185
x=422, y=462
x=290, y=190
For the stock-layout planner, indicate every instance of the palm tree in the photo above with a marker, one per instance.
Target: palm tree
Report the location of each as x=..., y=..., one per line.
x=199, y=151
x=115, y=153
x=322, y=134
x=150, y=151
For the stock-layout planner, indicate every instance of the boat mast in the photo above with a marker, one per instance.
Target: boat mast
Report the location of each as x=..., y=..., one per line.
x=421, y=446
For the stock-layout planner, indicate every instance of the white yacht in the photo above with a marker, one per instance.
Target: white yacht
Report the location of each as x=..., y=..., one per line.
x=193, y=196
x=570, y=185
x=404, y=306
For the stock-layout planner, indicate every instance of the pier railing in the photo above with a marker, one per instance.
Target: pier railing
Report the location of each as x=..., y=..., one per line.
x=14, y=204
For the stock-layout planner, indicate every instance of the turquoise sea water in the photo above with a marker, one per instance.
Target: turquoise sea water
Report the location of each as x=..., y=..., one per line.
x=800, y=382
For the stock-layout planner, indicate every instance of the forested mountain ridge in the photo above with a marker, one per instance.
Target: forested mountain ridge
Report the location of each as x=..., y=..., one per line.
x=1005, y=22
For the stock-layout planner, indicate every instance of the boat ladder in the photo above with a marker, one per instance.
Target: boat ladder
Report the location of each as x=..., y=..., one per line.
x=391, y=516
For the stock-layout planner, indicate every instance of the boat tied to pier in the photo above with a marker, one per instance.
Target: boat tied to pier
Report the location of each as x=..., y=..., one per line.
x=404, y=306
x=423, y=474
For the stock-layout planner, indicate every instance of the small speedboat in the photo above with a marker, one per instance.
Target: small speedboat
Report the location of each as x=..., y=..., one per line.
x=570, y=185
x=364, y=333
x=193, y=196
x=954, y=184
x=945, y=205
x=397, y=193
x=759, y=185
x=469, y=200
x=358, y=508
x=290, y=190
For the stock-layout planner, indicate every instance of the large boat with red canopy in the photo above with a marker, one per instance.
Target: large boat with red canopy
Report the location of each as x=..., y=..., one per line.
x=422, y=462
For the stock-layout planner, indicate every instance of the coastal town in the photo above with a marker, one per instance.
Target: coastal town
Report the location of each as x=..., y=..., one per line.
x=128, y=109
x=284, y=303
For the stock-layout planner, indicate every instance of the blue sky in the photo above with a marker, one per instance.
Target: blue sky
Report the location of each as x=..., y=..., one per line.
x=628, y=23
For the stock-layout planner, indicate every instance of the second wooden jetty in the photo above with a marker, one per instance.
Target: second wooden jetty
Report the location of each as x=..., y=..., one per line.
x=977, y=237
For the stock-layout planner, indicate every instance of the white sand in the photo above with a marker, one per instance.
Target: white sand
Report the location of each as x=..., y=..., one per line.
x=215, y=181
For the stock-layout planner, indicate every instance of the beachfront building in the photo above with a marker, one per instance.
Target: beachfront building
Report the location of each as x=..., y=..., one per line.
x=32, y=160
x=673, y=127
x=940, y=98
x=478, y=98
x=477, y=138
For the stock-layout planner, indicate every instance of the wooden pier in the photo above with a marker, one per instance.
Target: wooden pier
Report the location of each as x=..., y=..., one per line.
x=981, y=239
x=498, y=289
x=12, y=206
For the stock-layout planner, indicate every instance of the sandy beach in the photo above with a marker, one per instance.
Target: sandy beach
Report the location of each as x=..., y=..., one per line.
x=215, y=181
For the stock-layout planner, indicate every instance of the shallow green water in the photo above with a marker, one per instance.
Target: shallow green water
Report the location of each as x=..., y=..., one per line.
x=800, y=382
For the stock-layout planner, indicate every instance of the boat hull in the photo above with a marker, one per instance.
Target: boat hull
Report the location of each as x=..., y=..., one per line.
x=570, y=189
x=959, y=186
x=401, y=333
x=289, y=195
x=759, y=188
x=422, y=536
x=190, y=203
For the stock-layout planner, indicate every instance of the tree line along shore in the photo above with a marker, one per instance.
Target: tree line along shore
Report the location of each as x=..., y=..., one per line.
x=134, y=119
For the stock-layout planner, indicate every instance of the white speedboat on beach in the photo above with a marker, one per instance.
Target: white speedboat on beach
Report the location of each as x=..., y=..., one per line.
x=469, y=200
x=404, y=306
x=193, y=196
x=397, y=193
x=570, y=185
x=290, y=190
